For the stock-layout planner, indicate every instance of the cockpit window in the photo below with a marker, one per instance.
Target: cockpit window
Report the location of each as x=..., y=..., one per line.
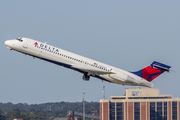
x=19, y=39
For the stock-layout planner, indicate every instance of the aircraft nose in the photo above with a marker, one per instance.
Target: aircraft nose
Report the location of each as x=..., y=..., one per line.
x=7, y=42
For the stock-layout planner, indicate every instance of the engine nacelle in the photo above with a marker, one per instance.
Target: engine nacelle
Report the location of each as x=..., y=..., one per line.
x=130, y=80
x=86, y=77
x=120, y=76
x=123, y=77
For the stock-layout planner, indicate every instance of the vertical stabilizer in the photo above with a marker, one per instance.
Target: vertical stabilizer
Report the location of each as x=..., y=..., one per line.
x=152, y=71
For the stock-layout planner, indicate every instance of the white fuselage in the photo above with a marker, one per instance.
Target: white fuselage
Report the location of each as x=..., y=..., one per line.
x=76, y=62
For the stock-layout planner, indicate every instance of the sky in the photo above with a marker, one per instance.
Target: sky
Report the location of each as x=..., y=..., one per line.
x=125, y=34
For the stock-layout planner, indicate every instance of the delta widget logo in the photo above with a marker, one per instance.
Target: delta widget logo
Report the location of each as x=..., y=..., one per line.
x=36, y=44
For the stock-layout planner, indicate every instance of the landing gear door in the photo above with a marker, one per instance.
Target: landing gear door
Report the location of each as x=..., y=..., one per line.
x=25, y=44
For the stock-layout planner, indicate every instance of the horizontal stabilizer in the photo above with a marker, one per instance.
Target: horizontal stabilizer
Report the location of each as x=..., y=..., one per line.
x=160, y=66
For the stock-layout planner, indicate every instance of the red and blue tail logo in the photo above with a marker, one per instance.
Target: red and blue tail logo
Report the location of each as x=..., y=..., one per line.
x=152, y=71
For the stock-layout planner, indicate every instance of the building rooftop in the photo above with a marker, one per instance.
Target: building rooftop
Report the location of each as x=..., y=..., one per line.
x=142, y=94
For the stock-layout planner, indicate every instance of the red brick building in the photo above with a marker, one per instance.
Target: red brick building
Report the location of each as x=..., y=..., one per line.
x=140, y=104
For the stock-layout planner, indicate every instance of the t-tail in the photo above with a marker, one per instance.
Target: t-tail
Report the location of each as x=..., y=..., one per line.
x=152, y=71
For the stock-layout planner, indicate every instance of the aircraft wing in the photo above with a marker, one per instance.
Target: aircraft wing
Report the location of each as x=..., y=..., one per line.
x=91, y=71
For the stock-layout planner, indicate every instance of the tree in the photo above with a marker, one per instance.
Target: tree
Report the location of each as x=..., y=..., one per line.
x=2, y=117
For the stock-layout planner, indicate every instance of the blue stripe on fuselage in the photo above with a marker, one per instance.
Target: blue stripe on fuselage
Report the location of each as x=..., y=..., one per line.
x=68, y=66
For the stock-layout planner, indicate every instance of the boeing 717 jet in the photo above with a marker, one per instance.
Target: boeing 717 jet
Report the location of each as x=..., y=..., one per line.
x=88, y=67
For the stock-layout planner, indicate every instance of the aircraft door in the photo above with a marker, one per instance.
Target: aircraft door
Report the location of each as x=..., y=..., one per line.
x=25, y=44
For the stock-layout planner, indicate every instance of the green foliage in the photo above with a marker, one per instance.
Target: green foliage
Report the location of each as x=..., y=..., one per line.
x=2, y=115
x=45, y=111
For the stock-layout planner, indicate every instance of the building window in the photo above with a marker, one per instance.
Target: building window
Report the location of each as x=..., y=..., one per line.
x=174, y=110
x=148, y=97
x=119, y=98
x=156, y=111
x=152, y=111
x=136, y=110
x=112, y=110
x=120, y=110
x=165, y=111
x=159, y=110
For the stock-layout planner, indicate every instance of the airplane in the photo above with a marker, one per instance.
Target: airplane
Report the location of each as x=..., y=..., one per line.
x=88, y=67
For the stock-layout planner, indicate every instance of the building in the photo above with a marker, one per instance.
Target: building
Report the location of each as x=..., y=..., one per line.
x=140, y=104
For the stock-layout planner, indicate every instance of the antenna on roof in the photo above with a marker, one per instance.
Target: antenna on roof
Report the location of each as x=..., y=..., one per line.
x=103, y=92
